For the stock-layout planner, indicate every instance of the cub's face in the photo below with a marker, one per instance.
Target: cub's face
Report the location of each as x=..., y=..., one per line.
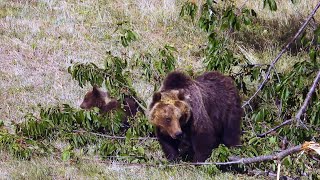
x=95, y=98
x=169, y=112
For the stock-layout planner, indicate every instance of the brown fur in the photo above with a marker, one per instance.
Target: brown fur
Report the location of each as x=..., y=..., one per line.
x=103, y=101
x=207, y=110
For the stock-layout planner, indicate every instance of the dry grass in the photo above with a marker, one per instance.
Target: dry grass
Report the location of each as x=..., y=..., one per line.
x=286, y=9
x=40, y=38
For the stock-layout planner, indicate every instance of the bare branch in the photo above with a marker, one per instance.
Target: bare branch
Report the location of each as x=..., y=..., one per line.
x=272, y=64
x=114, y=137
x=301, y=110
x=307, y=99
x=277, y=156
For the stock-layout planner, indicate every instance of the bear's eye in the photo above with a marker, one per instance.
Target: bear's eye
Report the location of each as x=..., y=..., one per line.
x=168, y=120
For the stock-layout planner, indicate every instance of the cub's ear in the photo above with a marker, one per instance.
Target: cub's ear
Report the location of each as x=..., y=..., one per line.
x=182, y=94
x=96, y=90
x=156, y=97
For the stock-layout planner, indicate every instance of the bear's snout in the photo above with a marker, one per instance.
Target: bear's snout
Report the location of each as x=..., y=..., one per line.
x=178, y=134
x=82, y=106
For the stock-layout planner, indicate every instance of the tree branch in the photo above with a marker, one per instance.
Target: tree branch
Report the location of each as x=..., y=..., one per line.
x=301, y=110
x=277, y=156
x=114, y=137
x=272, y=64
x=309, y=95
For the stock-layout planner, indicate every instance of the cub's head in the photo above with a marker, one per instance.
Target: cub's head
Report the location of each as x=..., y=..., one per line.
x=169, y=111
x=96, y=98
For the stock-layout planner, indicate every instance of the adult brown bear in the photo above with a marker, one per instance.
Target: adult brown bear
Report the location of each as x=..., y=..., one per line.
x=102, y=100
x=194, y=116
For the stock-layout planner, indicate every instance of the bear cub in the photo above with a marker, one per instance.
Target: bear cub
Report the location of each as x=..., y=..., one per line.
x=102, y=100
x=194, y=116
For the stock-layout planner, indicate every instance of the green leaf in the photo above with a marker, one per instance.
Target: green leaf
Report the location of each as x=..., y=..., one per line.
x=246, y=20
x=140, y=150
x=272, y=5
x=313, y=55
x=265, y=2
x=272, y=140
x=66, y=155
x=252, y=140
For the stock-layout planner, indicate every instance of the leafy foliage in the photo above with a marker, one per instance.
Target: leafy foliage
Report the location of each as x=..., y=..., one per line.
x=22, y=147
x=127, y=35
x=189, y=9
x=75, y=127
x=271, y=4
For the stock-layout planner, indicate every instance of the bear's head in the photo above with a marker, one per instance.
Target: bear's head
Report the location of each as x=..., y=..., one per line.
x=100, y=99
x=169, y=111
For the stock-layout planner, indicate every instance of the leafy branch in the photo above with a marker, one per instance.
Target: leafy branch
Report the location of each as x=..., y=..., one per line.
x=272, y=64
x=301, y=110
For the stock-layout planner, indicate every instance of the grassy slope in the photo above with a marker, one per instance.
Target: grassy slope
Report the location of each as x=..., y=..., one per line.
x=39, y=39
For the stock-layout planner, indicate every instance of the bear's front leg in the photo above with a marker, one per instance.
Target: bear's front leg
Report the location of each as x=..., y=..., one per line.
x=203, y=144
x=170, y=150
x=169, y=146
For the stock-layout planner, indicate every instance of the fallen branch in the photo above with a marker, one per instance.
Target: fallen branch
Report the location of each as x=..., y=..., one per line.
x=114, y=137
x=272, y=64
x=278, y=156
x=301, y=110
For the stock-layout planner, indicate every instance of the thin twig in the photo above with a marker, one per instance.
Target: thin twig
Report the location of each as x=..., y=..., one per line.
x=141, y=106
x=289, y=121
x=278, y=170
x=300, y=111
x=272, y=64
x=262, y=173
x=114, y=137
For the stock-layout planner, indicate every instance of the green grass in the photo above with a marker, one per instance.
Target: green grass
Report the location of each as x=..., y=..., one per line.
x=40, y=39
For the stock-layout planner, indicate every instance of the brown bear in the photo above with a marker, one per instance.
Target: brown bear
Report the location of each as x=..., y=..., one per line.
x=192, y=117
x=103, y=101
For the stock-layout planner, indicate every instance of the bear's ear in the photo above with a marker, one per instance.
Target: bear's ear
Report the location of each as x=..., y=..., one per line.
x=96, y=90
x=156, y=97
